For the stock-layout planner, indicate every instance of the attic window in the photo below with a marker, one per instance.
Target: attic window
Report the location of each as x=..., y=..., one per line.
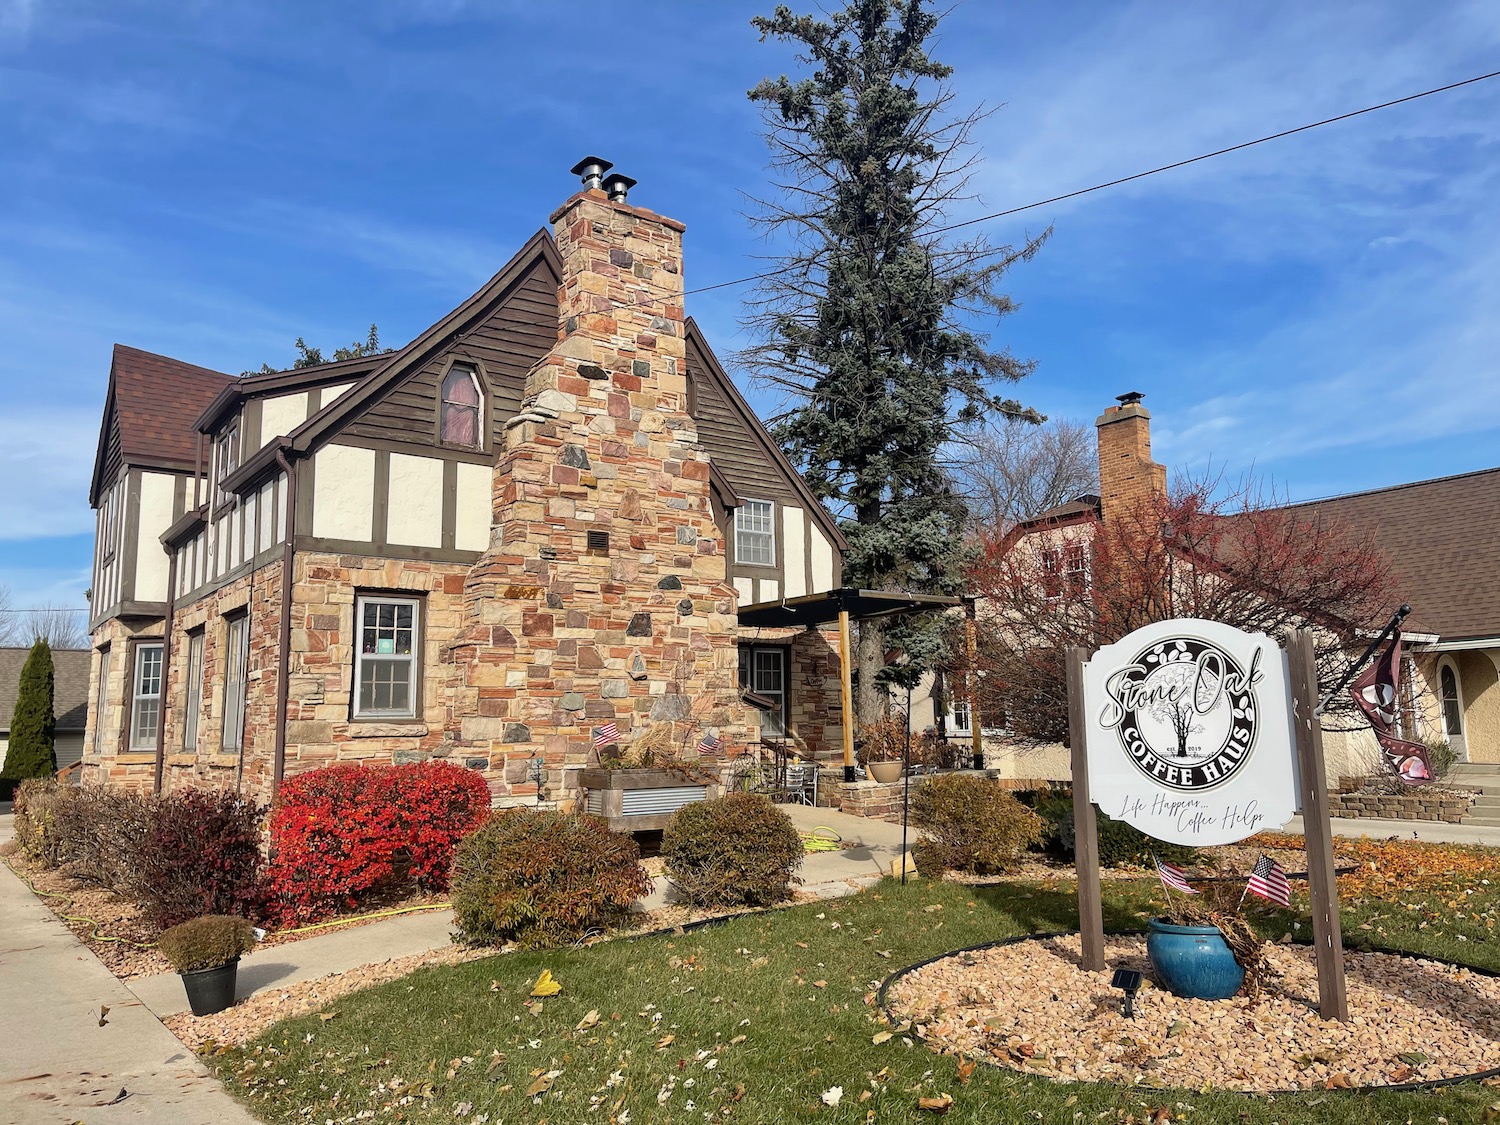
x=226, y=460
x=462, y=407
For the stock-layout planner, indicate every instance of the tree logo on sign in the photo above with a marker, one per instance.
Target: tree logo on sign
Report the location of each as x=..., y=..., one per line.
x=1185, y=712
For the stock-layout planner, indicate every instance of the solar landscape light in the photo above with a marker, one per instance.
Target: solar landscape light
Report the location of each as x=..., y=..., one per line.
x=1127, y=981
x=538, y=771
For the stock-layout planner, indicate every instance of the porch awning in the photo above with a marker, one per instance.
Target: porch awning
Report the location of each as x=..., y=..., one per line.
x=819, y=609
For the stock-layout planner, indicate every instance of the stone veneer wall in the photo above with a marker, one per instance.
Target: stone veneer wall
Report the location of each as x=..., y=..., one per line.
x=114, y=764
x=1449, y=808
x=559, y=636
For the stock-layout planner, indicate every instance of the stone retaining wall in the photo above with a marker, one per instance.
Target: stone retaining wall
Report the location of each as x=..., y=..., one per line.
x=1449, y=808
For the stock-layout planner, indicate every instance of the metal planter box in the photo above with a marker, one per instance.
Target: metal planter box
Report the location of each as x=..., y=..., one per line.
x=640, y=800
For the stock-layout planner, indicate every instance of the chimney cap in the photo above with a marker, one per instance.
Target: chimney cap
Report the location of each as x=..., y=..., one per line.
x=1129, y=398
x=591, y=169
x=618, y=187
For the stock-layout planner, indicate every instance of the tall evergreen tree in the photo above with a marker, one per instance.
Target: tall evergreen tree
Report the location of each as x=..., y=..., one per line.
x=873, y=324
x=32, y=728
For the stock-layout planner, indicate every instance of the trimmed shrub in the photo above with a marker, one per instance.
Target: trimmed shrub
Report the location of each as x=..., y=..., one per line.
x=739, y=850
x=33, y=727
x=541, y=878
x=344, y=834
x=206, y=942
x=200, y=855
x=101, y=835
x=970, y=824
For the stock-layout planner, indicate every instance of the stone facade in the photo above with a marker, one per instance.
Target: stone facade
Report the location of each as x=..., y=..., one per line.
x=1449, y=808
x=603, y=596
x=107, y=757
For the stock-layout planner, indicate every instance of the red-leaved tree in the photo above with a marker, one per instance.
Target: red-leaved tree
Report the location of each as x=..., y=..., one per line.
x=1236, y=558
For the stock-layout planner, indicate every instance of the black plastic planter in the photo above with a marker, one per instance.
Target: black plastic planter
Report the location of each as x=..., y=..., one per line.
x=211, y=990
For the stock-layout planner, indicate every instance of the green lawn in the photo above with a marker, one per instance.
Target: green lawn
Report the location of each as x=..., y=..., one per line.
x=751, y=1021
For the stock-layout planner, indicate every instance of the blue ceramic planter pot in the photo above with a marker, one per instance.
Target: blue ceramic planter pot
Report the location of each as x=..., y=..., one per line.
x=1194, y=962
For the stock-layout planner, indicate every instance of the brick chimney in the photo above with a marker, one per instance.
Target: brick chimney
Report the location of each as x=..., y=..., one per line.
x=603, y=595
x=1127, y=475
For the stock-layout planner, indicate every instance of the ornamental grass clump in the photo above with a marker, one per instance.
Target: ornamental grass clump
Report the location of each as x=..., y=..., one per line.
x=739, y=850
x=970, y=824
x=540, y=878
x=207, y=942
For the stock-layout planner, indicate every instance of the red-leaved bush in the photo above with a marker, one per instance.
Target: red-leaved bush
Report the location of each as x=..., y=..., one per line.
x=344, y=833
x=199, y=854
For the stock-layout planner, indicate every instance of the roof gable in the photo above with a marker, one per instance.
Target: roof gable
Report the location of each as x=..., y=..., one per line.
x=149, y=412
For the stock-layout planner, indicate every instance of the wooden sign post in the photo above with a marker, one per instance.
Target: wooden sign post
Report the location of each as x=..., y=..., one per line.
x=1328, y=938
x=1085, y=826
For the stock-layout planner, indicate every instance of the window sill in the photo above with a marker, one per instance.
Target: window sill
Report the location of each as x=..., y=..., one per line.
x=386, y=728
x=135, y=757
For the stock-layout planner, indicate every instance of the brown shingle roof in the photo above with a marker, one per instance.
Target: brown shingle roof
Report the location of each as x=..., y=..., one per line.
x=1443, y=541
x=70, y=696
x=158, y=400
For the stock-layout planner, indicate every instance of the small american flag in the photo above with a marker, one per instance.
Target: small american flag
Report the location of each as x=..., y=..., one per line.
x=1269, y=881
x=607, y=735
x=1173, y=878
x=709, y=744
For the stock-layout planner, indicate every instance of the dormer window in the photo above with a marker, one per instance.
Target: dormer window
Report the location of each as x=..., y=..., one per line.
x=463, y=406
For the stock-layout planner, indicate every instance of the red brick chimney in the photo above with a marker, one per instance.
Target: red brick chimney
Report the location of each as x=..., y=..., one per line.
x=603, y=596
x=1127, y=475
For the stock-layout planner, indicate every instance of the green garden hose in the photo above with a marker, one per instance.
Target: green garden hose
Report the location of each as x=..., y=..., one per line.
x=812, y=842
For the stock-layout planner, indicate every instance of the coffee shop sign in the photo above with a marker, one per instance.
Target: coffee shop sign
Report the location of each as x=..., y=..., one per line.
x=1189, y=732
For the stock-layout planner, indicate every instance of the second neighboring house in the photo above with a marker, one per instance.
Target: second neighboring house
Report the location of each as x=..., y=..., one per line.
x=70, y=699
x=539, y=518
x=1440, y=537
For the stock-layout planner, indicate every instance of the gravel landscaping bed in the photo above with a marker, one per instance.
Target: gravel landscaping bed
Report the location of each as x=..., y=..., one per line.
x=1029, y=1006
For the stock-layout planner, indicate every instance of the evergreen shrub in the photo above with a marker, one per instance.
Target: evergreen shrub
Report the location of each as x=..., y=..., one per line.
x=540, y=878
x=1120, y=844
x=206, y=942
x=969, y=823
x=739, y=850
x=31, y=752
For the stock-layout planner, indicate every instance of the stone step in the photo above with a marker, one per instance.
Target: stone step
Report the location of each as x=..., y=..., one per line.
x=1482, y=821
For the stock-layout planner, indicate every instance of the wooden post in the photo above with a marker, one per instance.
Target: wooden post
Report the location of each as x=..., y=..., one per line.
x=1085, y=827
x=1328, y=938
x=976, y=722
x=846, y=694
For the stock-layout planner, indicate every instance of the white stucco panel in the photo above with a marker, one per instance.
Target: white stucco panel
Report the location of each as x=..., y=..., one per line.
x=155, y=517
x=794, y=550
x=414, y=514
x=743, y=587
x=474, y=507
x=328, y=394
x=343, y=493
x=281, y=414
x=822, y=560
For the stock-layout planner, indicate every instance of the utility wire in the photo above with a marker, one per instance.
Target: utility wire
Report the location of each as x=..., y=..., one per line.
x=1137, y=176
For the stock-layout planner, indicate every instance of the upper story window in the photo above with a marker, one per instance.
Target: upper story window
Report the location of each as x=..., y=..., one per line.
x=463, y=406
x=1065, y=570
x=194, y=690
x=226, y=460
x=386, y=682
x=755, y=533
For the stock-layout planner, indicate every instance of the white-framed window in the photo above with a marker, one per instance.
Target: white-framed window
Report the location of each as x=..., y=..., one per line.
x=145, y=697
x=101, y=703
x=959, y=718
x=226, y=460
x=463, y=408
x=755, y=533
x=386, y=670
x=1450, y=702
x=1065, y=571
x=236, y=675
x=194, y=690
x=763, y=671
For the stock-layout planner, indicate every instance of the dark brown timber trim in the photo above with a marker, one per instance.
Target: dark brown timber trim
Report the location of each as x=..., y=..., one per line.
x=284, y=640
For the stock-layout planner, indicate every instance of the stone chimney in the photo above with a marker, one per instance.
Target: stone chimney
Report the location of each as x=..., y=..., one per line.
x=603, y=595
x=1127, y=475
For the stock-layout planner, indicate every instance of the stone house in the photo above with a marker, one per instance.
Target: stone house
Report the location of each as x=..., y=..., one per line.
x=1442, y=566
x=541, y=516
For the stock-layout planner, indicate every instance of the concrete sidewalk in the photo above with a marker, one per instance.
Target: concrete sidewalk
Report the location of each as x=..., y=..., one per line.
x=61, y=1061
x=1430, y=831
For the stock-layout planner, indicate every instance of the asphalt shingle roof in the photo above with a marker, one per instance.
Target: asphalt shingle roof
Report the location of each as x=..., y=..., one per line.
x=70, y=699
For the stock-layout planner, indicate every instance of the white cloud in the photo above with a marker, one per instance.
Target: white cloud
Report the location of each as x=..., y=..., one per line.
x=46, y=456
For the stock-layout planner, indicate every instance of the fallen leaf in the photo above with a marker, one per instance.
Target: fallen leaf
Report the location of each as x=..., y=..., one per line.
x=820, y=984
x=938, y=1104
x=881, y=1036
x=546, y=985
x=833, y=1095
x=665, y=1041
x=588, y=1021
x=103, y=1011
x=965, y=1070
x=540, y=1086
x=326, y=1016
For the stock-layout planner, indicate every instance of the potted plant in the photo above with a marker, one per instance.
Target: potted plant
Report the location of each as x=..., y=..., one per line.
x=882, y=746
x=1202, y=948
x=206, y=953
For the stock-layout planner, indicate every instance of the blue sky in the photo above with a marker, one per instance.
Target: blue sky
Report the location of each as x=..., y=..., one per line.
x=211, y=180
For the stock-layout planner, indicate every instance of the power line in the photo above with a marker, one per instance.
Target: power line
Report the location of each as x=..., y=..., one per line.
x=1136, y=176
x=49, y=609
